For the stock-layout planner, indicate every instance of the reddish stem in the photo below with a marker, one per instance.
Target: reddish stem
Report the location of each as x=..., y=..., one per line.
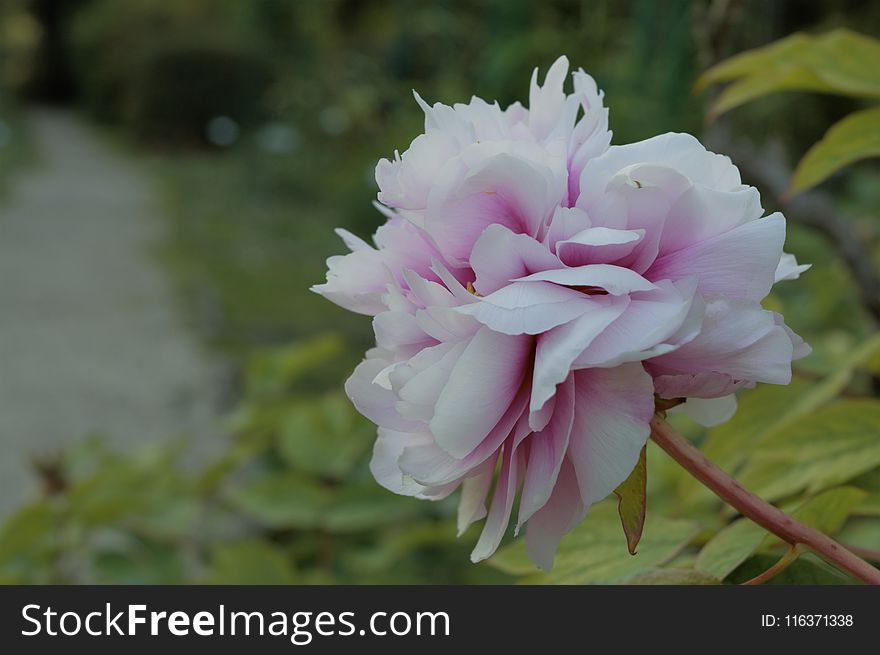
x=760, y=511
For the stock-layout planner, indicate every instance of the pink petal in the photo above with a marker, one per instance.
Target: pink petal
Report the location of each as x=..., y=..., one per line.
x=740, y=263
x=649, y=326
x=613, y=408
x=480, y=390
x=613, y=279
x=598, y=245
x=545, y=453
x=560, y=513
x=528, y=307
x=474, y=490
x=558, y=348
x=500, y=256
x=739, y=339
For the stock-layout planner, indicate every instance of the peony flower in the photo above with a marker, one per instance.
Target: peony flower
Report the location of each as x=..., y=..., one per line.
x=532, y=291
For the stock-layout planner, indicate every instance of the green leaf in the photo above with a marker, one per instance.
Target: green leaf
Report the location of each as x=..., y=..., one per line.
x=852, y=138
x=826, y=448
x=828, y=511
x=592, y=553
x=732, y=546
x=632, y=503
x=324, y=436
x=367, y=507
x=282, y=501
x=840, y=61
x=250, y=562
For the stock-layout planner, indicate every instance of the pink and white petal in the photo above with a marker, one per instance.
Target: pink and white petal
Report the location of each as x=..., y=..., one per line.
x=650, y=321
x=709, y=412
x=546, y=449
x=546, y=103
x=701, y=213
x=614, y=279
x=613, y=408
x=696, y=385
x=740, y=263
x=800, y=348
x=375, y=402
x=563, y=511
x=557, y=349
x=419, y=393
x=528, y=307
x=480, y=390
x=395, y=330
x=788, y=268
x=564, y=224
x=500, y=256
x=383, y=465
x=598, y=245
x=356, y=282
x=680, y=152
x=738, y=339
x=474, y=490
x=508, y=481
x=502, y=188
x=432, y=466
x=446, y=323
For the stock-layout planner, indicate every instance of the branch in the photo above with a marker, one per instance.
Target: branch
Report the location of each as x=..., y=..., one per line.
x=758, y=510
x=786, y=561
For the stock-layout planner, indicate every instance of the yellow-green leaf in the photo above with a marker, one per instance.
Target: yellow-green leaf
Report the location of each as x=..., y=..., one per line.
x=850, y=139
x=826, y=448
x=632, y=503
x=730, y=548
x=839, y=61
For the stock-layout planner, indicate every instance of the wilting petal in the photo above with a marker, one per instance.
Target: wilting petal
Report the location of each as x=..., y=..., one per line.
x=613, y=408
x=480, y=390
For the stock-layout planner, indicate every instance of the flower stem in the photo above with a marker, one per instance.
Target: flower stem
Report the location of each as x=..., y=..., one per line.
x=758, y=510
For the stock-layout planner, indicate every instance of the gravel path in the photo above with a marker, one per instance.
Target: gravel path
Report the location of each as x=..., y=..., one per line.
x=90, y=337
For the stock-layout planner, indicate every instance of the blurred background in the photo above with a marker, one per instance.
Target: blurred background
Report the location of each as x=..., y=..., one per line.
x=171, y=172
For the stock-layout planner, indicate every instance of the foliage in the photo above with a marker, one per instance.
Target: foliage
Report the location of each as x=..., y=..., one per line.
x=291, y=501
x=839, y=62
